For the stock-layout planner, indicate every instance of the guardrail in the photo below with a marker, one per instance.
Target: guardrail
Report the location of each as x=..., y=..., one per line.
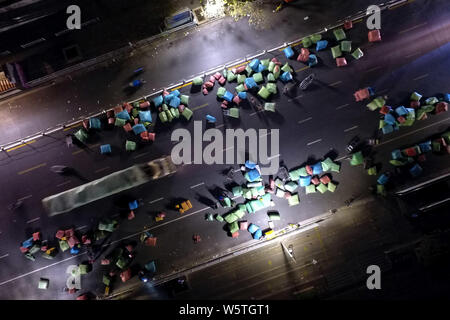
x=213, y=70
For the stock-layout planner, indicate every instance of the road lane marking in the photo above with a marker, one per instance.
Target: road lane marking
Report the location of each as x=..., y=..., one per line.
x=252, y=114
x=373, y=69
x=301, y=69
x=102, y=169
x=350, y=129
x=412, y=28
x=343, y=106
x=304, y=120
x=220, y=126
x=141, y=155
x=412, y=132
x=312, y=142
x=229, y=148
x=72, y=127
x=197, y=185
x=272, y=157
x=32, y=168
x=334, y=83
x=77, y=152
x=238, y=65
x=4, y=256
x=199, y=107
x=24, y=198
x=182, y=86
x=82, y=227
x=358, y=21
x=64, y=183
x=156, y=200
x=290, y=100
x=33, y=220
x=20, y=146
x=421, y=77
x=413, y=54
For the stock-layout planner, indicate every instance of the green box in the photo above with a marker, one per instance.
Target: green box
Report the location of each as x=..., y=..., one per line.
x=339, y=34
x=336, y=51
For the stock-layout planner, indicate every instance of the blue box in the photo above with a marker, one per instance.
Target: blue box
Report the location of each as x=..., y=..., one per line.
x=105, y=148
x=133, y=205
x=228, y=96
x=258, y=234
x=254, y=64
x=304, y=181
x=175, y=102
x=242, y=95
x=250, y=83
x=145, y=116
x=158, y=101
x=123, y=115
x=288, y=52
x=322, y=44
x=317, y=168
x=312, y=60
x=139, y=128
x=416, y=170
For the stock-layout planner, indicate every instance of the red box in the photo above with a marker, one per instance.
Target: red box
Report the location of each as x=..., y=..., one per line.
x=341, y=62
x=414, y=104
x=236, y=100
x=36, y=236
x=401, y=119
x=315, y=181
x=127, y=107
x=131, y=215
x=144, y=105
x=217, y=75
x=151, y=241
x=127, y=127
x=111, y=120
x=68, y=233
x=304, y=55
x=325, y=179
x=309, y=170
x=348, y=25
x=384, y=110
x=212, y=79
x=441, y=107
x=374, y=35
x=235, y=234
x=59, y=234
x=222, y=81
x=205, y=91
x=243, y=225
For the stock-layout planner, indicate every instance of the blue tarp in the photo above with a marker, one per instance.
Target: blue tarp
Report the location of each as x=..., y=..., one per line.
x=446, y=97
x=133, y=205
x=396, y=154
x=228, y=96
x=304, y=181
x=105, y=148
x=123, y=115
x=286, y=76
x=387, y=129
x=253, y=175
x=312, y=60
x=258, y=234
x=425, y=146
x=210, y=118
x=322, y=44
x=145, y=116
x=383, y=179
x=288, y=52
x=74, y=250
x=242, y=95
x=261, y=68
x=139, y=128
x=389, y=119
x=250, y=83
x=28, y=243
x=151, y=266
x=401, y=111
x=416, y=170
x=252, y=228
x=158, y=101
x=249, y=164
x=94, y=123
x=317, y=168
x=254, y=64
x=175, y=102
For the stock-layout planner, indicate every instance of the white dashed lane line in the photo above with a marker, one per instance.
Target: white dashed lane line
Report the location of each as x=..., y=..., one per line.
x=141, y=155
x=350, y=129
x=197, y=185
x=64, y=183
x=312, y=142
x=343, y=106
x=102, y=169
x=156, y=200
x=290, y=100
x=4, y=256
x=421, y=77
x=304, y=120
x=33, y=220
x=24, y=198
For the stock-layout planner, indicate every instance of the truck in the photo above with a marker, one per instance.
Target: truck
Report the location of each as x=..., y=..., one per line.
x=108, y=185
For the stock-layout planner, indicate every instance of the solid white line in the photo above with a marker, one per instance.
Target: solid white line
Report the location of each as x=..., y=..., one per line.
x=421, y=77
x=33, y=220
x=343, y=106
x=26, y=197
x=4, y=256
x=197, y=185
x=156, y=200
x=350, y=129
x=140, y=155
x=64, y=183
x=304, y=120
x=312, y=142
x=334, y=83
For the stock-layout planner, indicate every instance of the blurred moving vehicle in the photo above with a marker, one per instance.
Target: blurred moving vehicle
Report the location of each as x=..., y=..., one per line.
x=108, y=185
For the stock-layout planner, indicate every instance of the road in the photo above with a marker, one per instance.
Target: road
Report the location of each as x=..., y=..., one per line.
x=26, y=169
